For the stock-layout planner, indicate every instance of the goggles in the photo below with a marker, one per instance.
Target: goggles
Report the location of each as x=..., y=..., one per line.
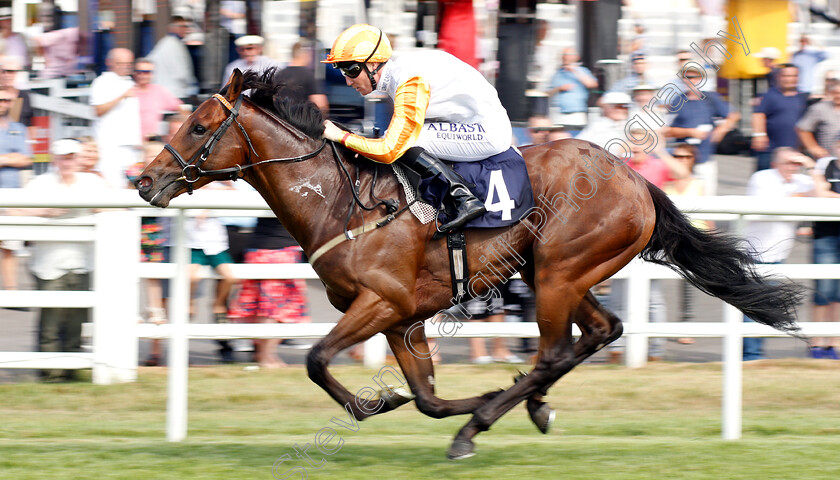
x=349, y=69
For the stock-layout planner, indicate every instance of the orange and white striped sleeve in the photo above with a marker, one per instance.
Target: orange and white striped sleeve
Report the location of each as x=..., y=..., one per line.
x=410, y=103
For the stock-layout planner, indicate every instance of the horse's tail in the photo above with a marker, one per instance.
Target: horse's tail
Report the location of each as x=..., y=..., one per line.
x=719, y=265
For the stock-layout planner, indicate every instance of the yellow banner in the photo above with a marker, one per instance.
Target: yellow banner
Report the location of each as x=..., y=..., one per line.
x=765, y=24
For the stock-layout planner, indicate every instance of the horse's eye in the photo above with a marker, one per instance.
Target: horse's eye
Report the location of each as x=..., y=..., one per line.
x=199, y=130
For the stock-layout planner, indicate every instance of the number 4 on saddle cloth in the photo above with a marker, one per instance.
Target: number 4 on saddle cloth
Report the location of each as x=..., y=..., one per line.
x=501, y=182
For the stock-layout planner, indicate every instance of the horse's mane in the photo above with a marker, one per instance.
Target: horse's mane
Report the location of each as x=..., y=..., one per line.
x=269, y=94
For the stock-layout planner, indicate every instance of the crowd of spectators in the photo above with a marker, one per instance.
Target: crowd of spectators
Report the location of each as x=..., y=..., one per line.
x=793, y=136
x=139, y=103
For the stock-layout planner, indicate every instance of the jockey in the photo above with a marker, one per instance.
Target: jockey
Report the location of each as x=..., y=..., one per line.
x=443, y=108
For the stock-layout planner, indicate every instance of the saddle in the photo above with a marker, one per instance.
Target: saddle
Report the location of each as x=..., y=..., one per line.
x=500, y=181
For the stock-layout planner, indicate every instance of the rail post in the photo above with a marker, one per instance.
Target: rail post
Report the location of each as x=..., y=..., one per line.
x=179, y=355
x=733, y=356
x=374, y=351
x=637, y=299
x=116, y=286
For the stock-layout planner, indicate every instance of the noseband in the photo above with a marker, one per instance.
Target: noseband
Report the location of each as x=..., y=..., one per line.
x=192, y=171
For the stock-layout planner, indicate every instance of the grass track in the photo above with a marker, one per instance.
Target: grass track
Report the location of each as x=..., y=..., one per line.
x=661, y=422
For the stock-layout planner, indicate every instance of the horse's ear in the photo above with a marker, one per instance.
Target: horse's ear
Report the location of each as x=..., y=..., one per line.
x=234, y=85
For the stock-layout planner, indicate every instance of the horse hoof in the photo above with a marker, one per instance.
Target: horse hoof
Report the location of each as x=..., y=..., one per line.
x=460, y=449
x=543, y=417
x=395, y=397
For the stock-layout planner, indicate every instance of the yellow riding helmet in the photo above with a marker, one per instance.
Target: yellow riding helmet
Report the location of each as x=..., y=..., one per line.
x=360, y=43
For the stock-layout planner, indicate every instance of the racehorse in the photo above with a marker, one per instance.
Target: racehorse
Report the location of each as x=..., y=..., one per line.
x=593, y=215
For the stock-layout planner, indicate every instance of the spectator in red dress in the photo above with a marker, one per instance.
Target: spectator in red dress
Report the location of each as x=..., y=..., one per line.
x=271, y=300
x=658, y=167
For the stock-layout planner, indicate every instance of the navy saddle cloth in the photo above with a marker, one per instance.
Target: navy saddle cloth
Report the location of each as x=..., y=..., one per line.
x=501, y=182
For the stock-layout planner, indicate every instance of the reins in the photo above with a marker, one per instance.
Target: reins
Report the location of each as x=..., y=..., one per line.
x=195, y=162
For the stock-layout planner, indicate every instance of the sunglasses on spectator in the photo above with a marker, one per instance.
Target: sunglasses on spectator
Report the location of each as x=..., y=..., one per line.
x=687, y=155
x=352, y=71
x=11, y=70
x=4, y=100
x=142, y=71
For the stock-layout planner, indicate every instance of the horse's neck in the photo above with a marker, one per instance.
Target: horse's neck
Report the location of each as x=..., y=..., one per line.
x=308, y=197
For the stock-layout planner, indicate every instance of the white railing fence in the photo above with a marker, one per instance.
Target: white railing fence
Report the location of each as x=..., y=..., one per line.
x=115, y=295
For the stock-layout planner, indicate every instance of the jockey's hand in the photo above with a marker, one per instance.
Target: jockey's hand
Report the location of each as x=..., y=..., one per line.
x=331, y=132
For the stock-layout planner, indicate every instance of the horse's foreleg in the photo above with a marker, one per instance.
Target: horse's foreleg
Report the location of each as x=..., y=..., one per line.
x=367, y=316
x=412, y=351
x=599, y=327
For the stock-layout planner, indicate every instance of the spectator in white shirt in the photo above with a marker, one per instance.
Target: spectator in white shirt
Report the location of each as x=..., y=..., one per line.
x=773, y=241
x=59, y=265
x=117, y=126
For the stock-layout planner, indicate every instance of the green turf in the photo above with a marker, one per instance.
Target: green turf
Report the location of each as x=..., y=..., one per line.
x=661, y=422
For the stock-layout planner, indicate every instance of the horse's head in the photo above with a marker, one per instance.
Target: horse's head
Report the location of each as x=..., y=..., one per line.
x=210, y=140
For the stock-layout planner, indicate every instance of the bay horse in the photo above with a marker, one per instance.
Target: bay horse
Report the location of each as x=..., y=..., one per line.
x=593, y=215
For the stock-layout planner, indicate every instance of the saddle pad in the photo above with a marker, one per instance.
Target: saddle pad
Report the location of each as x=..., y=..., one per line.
x=501, y=182
x=421, y=210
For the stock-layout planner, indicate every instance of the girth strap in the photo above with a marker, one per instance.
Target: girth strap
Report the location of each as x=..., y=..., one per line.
x=350, y=235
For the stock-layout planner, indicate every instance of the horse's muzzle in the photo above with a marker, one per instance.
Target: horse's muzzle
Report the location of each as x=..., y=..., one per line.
x=144, y=184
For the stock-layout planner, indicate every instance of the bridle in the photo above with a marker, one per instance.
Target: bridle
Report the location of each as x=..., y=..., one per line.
x=191, y=170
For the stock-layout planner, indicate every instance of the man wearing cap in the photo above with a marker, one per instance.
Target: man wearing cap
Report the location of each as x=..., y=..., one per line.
x=249, y=48
x=173, y=61
x=569, y=90
x=768, y=57
x=13, y=43
x=60, y=265
x=615, y=107
x=642, y=94
x=638, y=66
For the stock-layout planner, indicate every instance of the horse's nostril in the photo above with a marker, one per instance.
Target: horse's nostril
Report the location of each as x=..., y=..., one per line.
x=144, y=183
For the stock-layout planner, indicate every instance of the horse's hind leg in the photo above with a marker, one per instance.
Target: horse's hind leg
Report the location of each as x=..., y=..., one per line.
x=599, y=327
x=412, y=351
x=556, y=357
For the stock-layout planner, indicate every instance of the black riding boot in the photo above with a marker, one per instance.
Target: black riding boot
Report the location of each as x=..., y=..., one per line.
x=458, y=198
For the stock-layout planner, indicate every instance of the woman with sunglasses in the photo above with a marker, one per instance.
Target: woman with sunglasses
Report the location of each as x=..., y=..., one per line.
x=443, y=109
x=688, y=186
x=154, y=99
